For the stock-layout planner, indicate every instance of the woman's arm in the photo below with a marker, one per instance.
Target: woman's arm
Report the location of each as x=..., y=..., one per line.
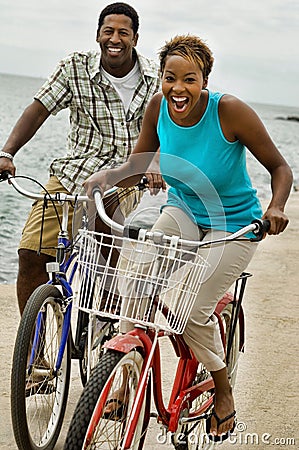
x=130, y=172
x=239, y=121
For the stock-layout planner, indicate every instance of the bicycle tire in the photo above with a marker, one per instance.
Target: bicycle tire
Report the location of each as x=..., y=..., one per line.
x=102, y=332
x=38, y=398
x=91, y=426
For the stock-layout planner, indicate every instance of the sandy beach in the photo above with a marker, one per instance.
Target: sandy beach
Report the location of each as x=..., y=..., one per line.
x=267, y=384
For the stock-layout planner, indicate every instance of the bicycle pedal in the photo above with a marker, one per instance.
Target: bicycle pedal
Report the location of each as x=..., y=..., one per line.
x=184, y=420
x=39, y=388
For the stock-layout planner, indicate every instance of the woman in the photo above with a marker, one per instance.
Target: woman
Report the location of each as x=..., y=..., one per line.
x=202, y=138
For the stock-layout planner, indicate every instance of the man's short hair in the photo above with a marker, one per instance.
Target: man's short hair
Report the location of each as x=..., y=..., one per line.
x=120, y=8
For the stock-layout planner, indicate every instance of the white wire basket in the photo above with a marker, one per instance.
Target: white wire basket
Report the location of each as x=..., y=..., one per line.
x=151, y=284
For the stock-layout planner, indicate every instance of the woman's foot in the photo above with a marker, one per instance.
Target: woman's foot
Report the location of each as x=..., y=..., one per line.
x=116, y=405
x=223, y=419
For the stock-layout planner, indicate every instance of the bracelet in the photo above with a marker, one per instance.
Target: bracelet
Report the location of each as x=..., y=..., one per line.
x=6, y=155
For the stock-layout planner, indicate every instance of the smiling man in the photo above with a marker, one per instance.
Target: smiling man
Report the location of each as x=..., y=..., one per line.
x=106, y=93
x=117, y=36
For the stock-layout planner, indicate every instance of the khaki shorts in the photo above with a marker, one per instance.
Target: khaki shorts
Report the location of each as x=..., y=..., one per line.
x=31, y=235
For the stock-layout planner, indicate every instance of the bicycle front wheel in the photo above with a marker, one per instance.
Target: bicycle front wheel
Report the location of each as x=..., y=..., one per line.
x=39, y=392
x=101, y=416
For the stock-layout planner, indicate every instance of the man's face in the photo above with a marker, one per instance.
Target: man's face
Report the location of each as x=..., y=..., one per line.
x=117, y=40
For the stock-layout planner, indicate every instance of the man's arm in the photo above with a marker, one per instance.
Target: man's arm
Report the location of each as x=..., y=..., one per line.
x=26, y=127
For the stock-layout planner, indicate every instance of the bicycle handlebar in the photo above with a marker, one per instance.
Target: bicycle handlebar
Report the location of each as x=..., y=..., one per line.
x=59, y=196
x=258, y=227
x=62, y=197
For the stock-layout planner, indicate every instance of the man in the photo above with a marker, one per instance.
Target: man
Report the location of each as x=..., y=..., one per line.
x=106, y=93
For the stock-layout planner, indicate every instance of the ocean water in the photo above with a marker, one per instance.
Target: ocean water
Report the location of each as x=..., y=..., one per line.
x=33, y=160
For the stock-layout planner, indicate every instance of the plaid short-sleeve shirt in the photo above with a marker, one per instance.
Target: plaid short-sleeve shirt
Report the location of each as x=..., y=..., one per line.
x=101, y=133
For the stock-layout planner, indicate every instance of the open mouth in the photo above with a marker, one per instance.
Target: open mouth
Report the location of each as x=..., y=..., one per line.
x=114, y=50
x=180, y=103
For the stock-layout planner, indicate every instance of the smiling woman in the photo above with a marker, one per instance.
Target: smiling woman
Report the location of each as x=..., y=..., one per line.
x=185, y=71
x=203, y=136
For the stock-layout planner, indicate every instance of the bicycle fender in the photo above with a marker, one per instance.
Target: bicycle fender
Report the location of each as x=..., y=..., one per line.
x=224, y=301
x=124, y=343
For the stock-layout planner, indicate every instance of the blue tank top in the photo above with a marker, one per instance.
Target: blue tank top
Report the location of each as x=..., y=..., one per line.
x=206, y=173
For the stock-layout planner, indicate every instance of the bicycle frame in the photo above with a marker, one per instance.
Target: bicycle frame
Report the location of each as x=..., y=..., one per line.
x=184, y=390
x=58, y=272
x=58, y=269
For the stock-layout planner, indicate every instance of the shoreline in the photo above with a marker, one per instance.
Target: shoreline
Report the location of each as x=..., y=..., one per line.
x=266, y=392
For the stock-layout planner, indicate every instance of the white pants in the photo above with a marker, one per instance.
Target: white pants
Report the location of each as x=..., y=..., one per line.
x=227, y=262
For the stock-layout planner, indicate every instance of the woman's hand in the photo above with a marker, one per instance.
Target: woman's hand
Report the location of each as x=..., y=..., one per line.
x=155, y=182
x=278, y=220
x=96, y=180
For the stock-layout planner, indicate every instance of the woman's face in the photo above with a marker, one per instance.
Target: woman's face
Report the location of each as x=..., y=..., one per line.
x=182, y=84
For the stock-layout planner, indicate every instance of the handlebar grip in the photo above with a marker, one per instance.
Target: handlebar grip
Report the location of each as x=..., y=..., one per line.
x=143, y=184
x=266, y=225
x=131, y=231
x=262, y=227
x=5, y=175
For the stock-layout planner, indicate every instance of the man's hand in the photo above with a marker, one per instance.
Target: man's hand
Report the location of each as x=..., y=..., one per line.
x=6, y=165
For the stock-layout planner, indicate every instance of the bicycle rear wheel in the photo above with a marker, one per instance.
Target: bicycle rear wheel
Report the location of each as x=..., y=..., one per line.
x=102, y=331
x=38, y=393
x=192, y=436
x=92, y=426
x=234, y=352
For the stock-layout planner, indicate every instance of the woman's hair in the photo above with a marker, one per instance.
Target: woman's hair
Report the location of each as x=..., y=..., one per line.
x=120, y=8
x=191, y=48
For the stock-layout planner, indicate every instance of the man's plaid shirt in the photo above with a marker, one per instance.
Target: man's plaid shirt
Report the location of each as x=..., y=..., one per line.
x=101, y=133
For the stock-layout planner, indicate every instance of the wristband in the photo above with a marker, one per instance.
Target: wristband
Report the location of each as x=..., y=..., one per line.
x=6, y=155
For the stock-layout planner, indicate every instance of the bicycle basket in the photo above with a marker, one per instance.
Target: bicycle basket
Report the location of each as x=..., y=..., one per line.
x=151, y=284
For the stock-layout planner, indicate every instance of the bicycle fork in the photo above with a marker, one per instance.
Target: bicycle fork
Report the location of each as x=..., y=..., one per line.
x=40, y=329
x=132, y=340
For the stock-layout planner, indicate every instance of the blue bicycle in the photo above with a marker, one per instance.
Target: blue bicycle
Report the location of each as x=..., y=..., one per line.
x=47, y=338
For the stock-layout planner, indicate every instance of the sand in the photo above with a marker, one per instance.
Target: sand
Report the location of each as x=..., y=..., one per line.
x=267, y=383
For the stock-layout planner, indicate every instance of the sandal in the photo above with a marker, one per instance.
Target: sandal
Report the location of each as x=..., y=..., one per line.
x=115, y=413
x=219, y=421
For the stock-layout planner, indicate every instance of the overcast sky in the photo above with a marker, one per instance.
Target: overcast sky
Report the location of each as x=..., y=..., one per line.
x=255, y=42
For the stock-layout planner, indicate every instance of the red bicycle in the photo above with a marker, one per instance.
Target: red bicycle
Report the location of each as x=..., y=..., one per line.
x=155, y=283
